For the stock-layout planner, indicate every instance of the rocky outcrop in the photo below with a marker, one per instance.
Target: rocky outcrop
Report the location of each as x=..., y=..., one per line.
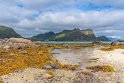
x=16, y=43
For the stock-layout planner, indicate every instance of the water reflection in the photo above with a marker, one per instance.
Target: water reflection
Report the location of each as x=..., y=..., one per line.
x=73, y=56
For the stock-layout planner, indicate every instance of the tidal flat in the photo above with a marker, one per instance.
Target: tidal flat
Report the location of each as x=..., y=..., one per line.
x=36, y=62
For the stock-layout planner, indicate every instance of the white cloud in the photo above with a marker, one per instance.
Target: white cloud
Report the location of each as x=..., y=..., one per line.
x=37, y=16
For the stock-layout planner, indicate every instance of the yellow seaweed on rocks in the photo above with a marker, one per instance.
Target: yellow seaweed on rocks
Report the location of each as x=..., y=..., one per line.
x=111, y=48
x=51, y=73
x=70, y=67
x=1, y=81
x=104, y=68
x=13, y=60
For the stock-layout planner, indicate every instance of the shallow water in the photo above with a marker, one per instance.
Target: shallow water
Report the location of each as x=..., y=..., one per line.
x=72, y=42
x=74, y=55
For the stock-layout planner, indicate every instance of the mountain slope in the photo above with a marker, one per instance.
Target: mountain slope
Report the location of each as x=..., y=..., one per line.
x=67, y=35
x=6, y=32
x=103, y=38
x=42, y=37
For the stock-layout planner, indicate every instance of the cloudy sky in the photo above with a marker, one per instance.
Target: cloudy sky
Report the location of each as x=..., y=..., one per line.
x=31, y=17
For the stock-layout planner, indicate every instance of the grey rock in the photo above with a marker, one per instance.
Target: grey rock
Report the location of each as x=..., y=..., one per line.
x=114, y=43
x=46, y=67
x=50, y=65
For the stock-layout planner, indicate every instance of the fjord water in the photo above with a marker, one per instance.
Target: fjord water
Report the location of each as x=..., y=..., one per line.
x=75, y=42
x=72, y=42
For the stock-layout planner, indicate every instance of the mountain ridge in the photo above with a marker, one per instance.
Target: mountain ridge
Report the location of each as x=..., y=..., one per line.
x=67, y=35
x=103, y=38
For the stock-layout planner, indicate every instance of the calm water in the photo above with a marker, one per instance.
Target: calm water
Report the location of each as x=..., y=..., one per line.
x=73, y=56
x=75, y=42
x=72, y=42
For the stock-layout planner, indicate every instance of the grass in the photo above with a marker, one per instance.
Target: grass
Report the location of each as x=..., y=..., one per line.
x=104, y=68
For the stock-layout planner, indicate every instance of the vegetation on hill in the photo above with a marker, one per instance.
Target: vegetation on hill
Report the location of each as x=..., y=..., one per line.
x=67, y=35
x=6, y=32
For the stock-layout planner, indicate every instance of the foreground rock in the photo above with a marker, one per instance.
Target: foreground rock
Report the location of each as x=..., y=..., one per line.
x=34, y=75
x=16, y=43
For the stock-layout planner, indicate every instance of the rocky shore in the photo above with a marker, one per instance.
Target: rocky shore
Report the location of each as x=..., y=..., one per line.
x=24, y=61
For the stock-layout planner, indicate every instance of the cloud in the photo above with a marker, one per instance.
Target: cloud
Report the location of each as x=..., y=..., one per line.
x=30, y=17
x=100, y=21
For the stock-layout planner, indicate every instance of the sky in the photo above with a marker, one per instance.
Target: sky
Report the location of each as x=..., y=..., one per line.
x=31, y=17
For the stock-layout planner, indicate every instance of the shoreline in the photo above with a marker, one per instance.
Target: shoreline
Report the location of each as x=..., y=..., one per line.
x=110, y=64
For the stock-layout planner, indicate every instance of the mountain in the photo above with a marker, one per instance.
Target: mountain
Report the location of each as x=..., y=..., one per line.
x=7, y=32
x=42, y=37
x=103, y=38
x=115, y=39
x=67, y=35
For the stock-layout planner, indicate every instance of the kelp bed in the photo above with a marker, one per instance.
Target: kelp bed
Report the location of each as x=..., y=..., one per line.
x=111, y=48
x=14, y=60
x=104, y=68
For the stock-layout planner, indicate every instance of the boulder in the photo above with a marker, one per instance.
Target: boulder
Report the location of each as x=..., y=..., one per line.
x=114, y=43
x=19, y=40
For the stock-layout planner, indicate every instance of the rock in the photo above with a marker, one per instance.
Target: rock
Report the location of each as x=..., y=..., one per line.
x=114, y=43
x=1, y=60
x=86, y=78
x=16, y=43
x=50, y=65
x=6, y=47
x=53, y=65
x=19, y=40
x=23, y=52
x=46, y=67
x=47, y=75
